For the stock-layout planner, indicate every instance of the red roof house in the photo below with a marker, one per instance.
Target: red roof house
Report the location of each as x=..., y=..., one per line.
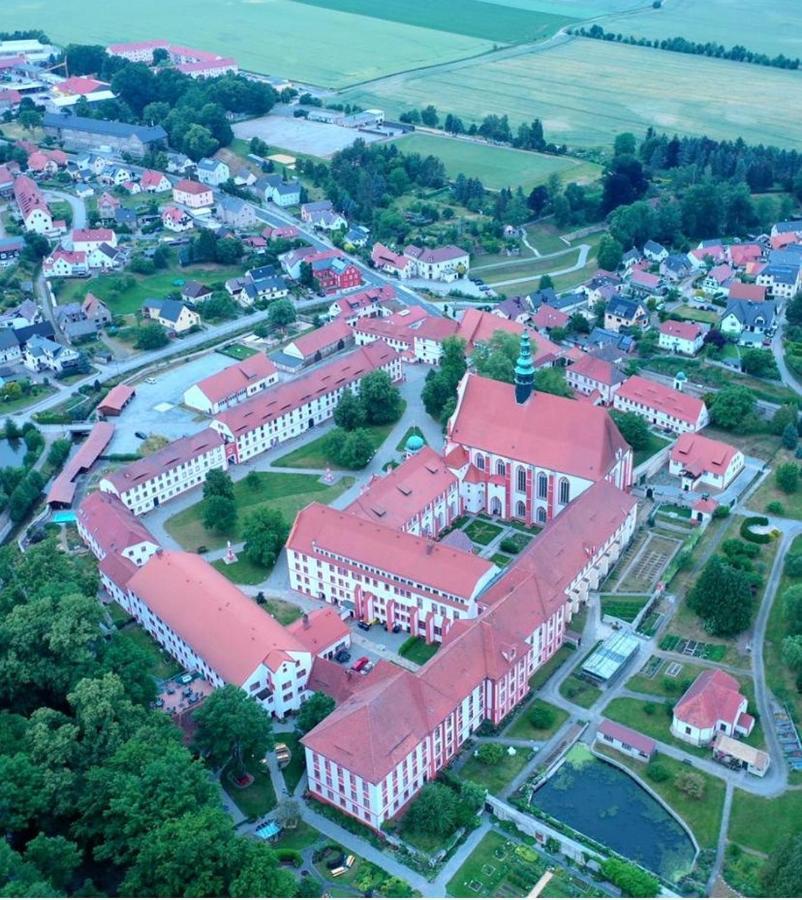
x=712, y=704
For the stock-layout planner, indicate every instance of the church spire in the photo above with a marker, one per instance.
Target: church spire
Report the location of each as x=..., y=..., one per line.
x=524, y=371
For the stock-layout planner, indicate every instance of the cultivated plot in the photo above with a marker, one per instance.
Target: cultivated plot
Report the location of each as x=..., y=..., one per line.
x=587, y=91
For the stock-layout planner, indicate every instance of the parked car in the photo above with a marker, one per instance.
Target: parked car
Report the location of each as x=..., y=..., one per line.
x=360, y=664
x=342, y=656
x=365, y=626
x=141, y=435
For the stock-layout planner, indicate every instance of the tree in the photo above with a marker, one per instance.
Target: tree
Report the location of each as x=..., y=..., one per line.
x=722, y=597
x=787, y=414
x=786, y=475
x=542, y=717
x=131, y=661
x=610, y=253
x=350, y=450
x=546, y=282
x=490, y=754
x=434, y=811
x=232, y=726
x=759, y=363
x=790, y=436
x=281, y=313
x=199, y=142
x=781, y=875
x=692, y=784
x=623, y=183
x=496, y=357
x=288, y=812
x=733, y=408
x=265, y=532
x=429, y=117
x=793, y=312
x=349, y=412
x=55, y=857
x=624, y=144
x=633, y=429
x=261, y=875
x=314, y=710
x=792, y=652
x=218, y=484
x=633, y=881
x=30, y=119
x=552, y=381
x=380, y=398
x=308, y=887
x=792, y=608
x=150, y=336
x=219, y=514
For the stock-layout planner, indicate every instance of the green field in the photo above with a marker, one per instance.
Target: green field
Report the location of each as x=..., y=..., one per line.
x=497, y=167
x=295, y=40
x=723, y=21
x=473, y=18
x=285, y=492
x=587, y=91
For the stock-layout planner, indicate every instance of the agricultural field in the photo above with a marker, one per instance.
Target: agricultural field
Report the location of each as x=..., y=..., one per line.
x=498, y=167
x=308, y=43
x=587, y=91
x=721, y=21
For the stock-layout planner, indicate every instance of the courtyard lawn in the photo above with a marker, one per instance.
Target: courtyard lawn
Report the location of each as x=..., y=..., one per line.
x=545, y=672
x=243, y=571
x=501, y=559
x=670, y=687
x=579, y=691
x=286, y=492
x=481, y=532
x=697, y=315
x=523, y=729
x=763, y=824
x=495, y=778
x=295, y=768
x=256, y=799
x=768, y=492
x=703, y=816
x=298, y=838
x=657, y=724
x=158, y=285
x=37, y=393
x=161, y=666
x=416, y=650
x=654, y=445
x=623, y=606
x=497, y=167
x=494, y=869
x=237, y=351
x=285, y=613
x=314, y=456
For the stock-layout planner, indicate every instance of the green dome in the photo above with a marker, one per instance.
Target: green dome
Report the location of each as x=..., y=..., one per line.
x=414, y=443
x=681, y=376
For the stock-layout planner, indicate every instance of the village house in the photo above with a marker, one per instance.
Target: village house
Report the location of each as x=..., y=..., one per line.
x=173, y=315
x=154, y=182
x=79, y=132
x=749, y=322
x=782, y=282
x=313, y=345
x=369, y=302
x=439, y=264
x=676, y=267
x=681, y=337
x=547, y=318
x=412, y=332
x=712, y=704
x=213, y=172
x=717, y=281
x=626, y=740
x=232, y=385
x=275, y=189
x=235, y=212
x=96, y=311
x=193, y=194
x=594, y=377
x=752, y=293
x=667, y=408
x=33, y=208
x=175, y=219
x=63, y=263
x=321, y=214
x=42, y=354
x=696, y=459
x=644, y=284
x=107, y=205
x=387, y=260
x=740, y=255
x=10, y=249
x=654, y=252
x=621, y=312
x=334, y=273
x=88, y=239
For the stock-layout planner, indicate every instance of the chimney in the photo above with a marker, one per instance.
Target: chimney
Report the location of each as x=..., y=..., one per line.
x=306, y=620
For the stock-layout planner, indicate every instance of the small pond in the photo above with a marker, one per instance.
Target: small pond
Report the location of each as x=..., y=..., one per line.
x=12, y=453
x=601, y=801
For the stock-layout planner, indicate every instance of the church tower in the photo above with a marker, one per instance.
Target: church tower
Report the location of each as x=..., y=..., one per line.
x=524, y=371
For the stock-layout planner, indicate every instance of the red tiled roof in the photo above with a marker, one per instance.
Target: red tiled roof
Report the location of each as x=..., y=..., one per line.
x=685, y=331
x=715, y=695
x=319, y=629
x=599, y=370
x=28, y=196
x=237, y=377
x=110, y=523
x=176, y=452
x=627, y=736
x=80, y=85
x=479, y=326
x=320, y=339
x=187, y=186
x=556, y=432
x=403, y=555
x=661, y=397
x=114, y=402
x=226, y=628
x=755, y=293
x=436, y=254
x=343, y=370
x=549, y=317
x=699, y=454
x=151, y=178
x=384, y=256
x=393, y=499
x=83, y=235
x=644, y=279
x=740, y=254
x=63, y=488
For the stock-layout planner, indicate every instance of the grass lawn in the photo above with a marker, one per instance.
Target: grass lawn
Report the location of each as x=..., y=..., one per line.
x=237, y=351
x=38, y=392
x=497, y=167
x=742, y=870
x=481, y=532
x=412, y=430
x=243, y=571
x=779, y=678
x=298, y=838
x=284, y=491
x=545, y=237
x=663, y=685
x=696, y=315
x=545, y=672
x=157, y=285
x=162, y=666
x=656, y=724
x=495, y=778
x=256, y=799
x=286, y=613
x=416, y=650
x=314, y=456
x=624, y=607
x=521, y=727
x=117, y=614
x=579, y=691
x=768, y=492
x=485, y=873
x=703, y=816
x=295, y=768
x=654, y=445
x=519, y=540
x=762, y=824
x=501, y=559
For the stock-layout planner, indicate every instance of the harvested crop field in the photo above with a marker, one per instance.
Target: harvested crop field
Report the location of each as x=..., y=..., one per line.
x=497, y=167
x=587, y=91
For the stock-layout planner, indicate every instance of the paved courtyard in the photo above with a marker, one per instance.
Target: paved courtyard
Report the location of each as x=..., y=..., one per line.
x=301, y=135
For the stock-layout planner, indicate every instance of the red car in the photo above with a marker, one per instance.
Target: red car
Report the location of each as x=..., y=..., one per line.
x=360, y=664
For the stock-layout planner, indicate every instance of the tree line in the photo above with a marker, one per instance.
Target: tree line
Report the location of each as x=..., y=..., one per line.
x=737, y=53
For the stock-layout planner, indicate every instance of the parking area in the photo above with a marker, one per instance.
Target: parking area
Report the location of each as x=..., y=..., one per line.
x=302, y=136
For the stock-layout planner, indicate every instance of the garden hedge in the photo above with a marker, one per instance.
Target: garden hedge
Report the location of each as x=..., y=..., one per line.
x=748, y=535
